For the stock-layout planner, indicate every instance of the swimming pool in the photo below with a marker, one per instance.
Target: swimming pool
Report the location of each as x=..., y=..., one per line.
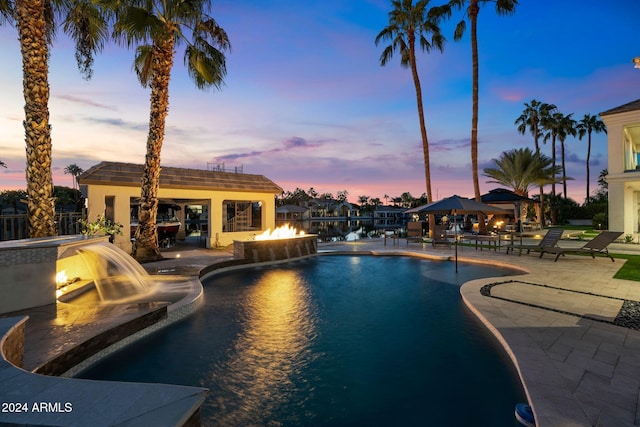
x=332, y=341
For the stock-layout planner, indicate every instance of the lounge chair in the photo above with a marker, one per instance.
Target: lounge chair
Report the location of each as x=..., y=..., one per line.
x=597, y=245
x=440, y=237
x=549, y=240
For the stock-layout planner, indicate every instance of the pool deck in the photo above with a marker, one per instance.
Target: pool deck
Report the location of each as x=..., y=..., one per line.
x=571, y=329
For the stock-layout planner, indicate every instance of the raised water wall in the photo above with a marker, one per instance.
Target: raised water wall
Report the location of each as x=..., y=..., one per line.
x=28, y=269
x=276, y=249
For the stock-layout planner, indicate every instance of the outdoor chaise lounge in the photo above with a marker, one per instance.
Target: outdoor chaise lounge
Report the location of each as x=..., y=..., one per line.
x=549, y=240
x=597, y=245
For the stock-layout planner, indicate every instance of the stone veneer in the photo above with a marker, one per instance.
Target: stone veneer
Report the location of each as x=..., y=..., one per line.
x=28, y=270
x=258, y=251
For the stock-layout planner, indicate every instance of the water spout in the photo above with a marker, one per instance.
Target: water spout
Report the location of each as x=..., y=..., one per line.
x=117, y=276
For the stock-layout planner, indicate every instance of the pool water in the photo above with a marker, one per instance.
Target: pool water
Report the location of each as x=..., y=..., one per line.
x=334, y=341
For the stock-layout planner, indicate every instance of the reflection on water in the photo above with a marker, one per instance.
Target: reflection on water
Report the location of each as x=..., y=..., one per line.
x=272, y=350
x=334, y=341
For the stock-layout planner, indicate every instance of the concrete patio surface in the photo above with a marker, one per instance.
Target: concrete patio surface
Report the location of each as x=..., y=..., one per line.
x=559, y=322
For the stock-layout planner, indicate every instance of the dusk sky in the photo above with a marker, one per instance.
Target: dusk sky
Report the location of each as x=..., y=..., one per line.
x=307, y=104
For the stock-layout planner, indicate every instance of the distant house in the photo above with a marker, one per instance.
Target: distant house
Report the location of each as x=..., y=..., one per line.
x=328, y=208
x=234, y=206
x=290, y=213
x=623, y=134
x=389, y=216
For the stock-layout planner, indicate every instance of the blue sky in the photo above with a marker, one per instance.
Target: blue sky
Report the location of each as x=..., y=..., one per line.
x=306, y=103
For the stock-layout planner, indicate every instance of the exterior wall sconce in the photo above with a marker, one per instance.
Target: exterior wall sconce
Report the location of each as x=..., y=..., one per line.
x=636, y=62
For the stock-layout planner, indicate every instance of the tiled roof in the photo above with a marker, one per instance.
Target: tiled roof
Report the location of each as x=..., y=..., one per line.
x=631, y=106
x=129, y=175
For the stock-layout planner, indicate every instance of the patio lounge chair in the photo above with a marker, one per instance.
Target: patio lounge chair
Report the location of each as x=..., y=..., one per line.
x=549, y=240
x=440, y=237
x=597, y=245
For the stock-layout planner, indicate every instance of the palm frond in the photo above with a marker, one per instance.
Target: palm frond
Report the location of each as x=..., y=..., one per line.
x=143, y=64
x=6, y=12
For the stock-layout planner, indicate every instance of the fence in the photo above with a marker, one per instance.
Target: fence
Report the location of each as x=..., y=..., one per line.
x=13, y=227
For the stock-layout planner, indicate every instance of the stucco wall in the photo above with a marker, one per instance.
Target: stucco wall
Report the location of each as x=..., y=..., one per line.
x=96, y=206
x=623, y=186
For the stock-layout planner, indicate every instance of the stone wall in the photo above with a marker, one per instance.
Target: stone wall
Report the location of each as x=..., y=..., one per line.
x=275, y=250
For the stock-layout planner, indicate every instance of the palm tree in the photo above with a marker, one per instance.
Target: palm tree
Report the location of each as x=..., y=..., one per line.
x=156, y=28
x=503, y=7
x=3, y=164
x=567, y=126
x=521, y=169
x=36, y=24
x=557, y=126
x=410, y=24
x=550, y=127
x=587, y=125
x=532, y=117
x=75, y=171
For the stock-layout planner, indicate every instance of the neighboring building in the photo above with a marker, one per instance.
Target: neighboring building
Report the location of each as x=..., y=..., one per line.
x=389, y=216
x=290, y=213
x=236, y=206
x=329, y=208
x=623, y=130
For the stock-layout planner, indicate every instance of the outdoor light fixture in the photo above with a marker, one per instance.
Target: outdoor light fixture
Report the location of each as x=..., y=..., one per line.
x=636, y=62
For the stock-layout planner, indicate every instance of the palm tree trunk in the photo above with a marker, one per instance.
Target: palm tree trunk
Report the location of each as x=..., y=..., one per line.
x=554, y=212
x=473, y=17
x=146, y=244
x=33, y=33
x=564, y=171
x=553, y=162
x=423, y=127
x=588, y=156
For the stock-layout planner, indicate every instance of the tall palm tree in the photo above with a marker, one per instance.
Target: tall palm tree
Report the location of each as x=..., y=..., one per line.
x=567, y=127
x=75, y=171
x=557, y=126
x=550, y=127
x=502, y=7
x=531, y=118
x=157, y=28
x=36, y=22
x=410, y=24
x=586, y=126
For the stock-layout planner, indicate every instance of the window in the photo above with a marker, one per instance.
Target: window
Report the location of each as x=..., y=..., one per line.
x=241, y=215
x=632, y=148
x=110, y=208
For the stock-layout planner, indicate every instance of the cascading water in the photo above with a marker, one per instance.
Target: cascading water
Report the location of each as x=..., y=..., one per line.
x=117, y=276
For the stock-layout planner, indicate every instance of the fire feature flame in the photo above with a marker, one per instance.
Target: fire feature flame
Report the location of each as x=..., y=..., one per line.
x=282, y=232
x=61, y=277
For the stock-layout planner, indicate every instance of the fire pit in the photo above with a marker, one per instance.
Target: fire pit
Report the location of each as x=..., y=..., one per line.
x=283, y=243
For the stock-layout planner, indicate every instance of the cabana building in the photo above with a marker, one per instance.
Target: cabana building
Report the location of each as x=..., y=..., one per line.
x=623, y=134
x=229, y=206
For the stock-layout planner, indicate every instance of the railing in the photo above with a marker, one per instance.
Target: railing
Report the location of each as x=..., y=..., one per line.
x=14, y=227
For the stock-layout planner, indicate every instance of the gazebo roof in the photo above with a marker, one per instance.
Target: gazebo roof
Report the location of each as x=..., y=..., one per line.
x=129, y=175
x=502, y=195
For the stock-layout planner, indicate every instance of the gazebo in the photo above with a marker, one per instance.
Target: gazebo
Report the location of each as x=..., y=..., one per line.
x=506, y=199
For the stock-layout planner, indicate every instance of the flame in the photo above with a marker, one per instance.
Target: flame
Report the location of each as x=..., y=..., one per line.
x=282, y=232
x=61, y=277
